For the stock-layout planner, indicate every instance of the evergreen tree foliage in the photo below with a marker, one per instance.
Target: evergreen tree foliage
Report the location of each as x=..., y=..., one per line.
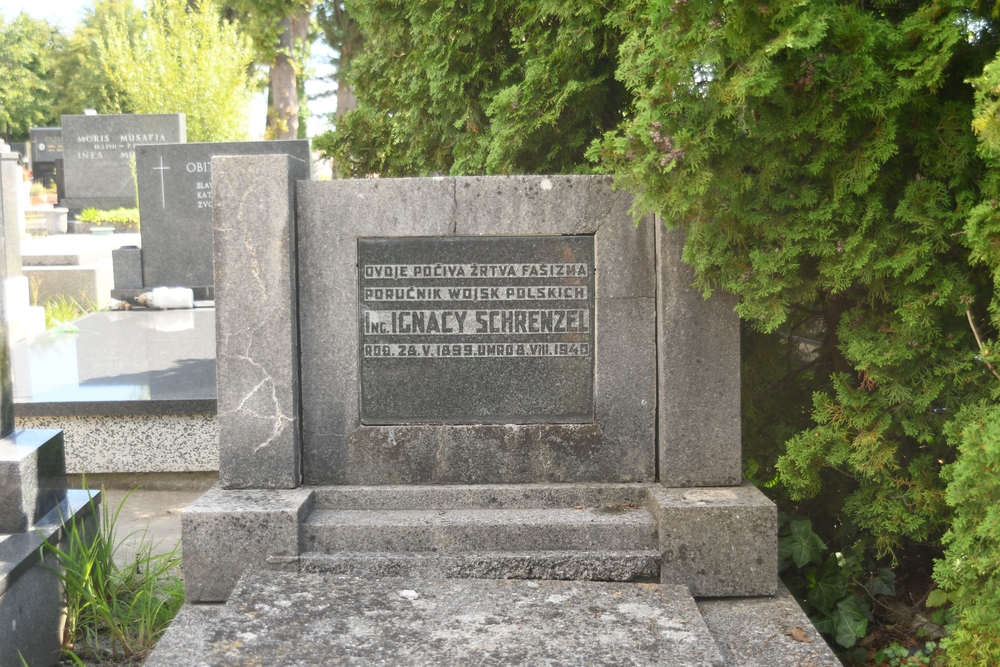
x=970, y=570
x=820, y=155
x=487, y=86
x=185, y=61
x=26, y=48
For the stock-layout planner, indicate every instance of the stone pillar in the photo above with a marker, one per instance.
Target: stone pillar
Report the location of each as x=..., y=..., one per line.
x=256, y=320
x=698, y=358
x=10, y=266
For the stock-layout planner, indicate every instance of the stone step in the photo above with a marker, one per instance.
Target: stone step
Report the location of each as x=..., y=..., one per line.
x=479, y=496
x=555, y=565
x=282, y=618
x=535, y=529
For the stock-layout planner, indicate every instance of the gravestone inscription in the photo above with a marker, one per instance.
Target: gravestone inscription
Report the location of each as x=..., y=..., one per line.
x=476, y=330
x=98, y=152
x=175, y=206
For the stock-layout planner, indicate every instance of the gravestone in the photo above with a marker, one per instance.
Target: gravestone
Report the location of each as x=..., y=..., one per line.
x=33, y=495
x=46, y=148
x=175, y=206
x=453, y=379
x=97, y=151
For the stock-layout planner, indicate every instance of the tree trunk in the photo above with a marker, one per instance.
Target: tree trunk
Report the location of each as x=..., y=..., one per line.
x=345, y=98
x=345, y=93
x=283, y=116
x=834, y=306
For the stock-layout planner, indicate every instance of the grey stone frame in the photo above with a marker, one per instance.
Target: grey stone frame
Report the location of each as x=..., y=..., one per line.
x=620, y=444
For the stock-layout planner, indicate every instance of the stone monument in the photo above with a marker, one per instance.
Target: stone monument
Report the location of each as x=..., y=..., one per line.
x=33, y=496
x=425, y=383
x=175, y=206
x=98, y=150
x=46, y=148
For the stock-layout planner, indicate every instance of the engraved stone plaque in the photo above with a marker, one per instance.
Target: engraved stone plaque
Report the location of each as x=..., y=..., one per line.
x=470, y=330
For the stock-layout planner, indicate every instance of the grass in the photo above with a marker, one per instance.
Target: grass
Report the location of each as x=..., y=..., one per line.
x=126, y=216
x=114, y=613
x=61, y=310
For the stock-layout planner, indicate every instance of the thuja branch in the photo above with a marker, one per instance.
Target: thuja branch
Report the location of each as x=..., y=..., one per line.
x=979, y=341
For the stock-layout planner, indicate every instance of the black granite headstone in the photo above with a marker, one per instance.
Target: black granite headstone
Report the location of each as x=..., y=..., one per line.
x=477, y=330
x=46, y=144
x=175, y=206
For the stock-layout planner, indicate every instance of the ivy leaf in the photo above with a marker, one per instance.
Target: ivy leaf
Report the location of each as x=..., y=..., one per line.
x=849, y=623
x=936, y=598
x=803, y=545
x=882, y=583
x=831, y=585
x=824, y=625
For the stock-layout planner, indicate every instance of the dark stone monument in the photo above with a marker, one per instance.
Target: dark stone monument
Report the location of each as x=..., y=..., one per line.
x=46, y=144
x=46, y=148
x=97, y=151
x=175, y=206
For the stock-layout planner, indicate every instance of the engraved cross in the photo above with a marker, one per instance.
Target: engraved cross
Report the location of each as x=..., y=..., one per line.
x=160, y=169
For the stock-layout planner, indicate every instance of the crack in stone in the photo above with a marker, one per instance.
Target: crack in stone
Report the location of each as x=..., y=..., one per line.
x=454, y=206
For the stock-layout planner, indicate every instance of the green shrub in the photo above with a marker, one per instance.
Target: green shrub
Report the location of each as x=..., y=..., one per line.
x=969, y=574
x=121, y=216
x=111, y=611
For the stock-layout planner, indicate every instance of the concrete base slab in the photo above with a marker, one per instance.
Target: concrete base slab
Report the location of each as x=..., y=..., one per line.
x=606, y=532
x=377, y=623
x=757, y=632
x=287, y=619
x=184, y=641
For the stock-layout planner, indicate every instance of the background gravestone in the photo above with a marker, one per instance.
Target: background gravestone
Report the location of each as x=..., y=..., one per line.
x=46, y=148
x=175, y=206
x=97, y=152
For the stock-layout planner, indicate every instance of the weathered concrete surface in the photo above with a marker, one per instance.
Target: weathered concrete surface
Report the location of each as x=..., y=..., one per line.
x=256, y=323
x=533, y=529
x=596, y=565
x=748, y=632
x=183, y=644
x=757, y=632
x=226, y=532
x=699, y=374
x=337, y=449
x=717, y=540
x=483, y=496
x=285, y=619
